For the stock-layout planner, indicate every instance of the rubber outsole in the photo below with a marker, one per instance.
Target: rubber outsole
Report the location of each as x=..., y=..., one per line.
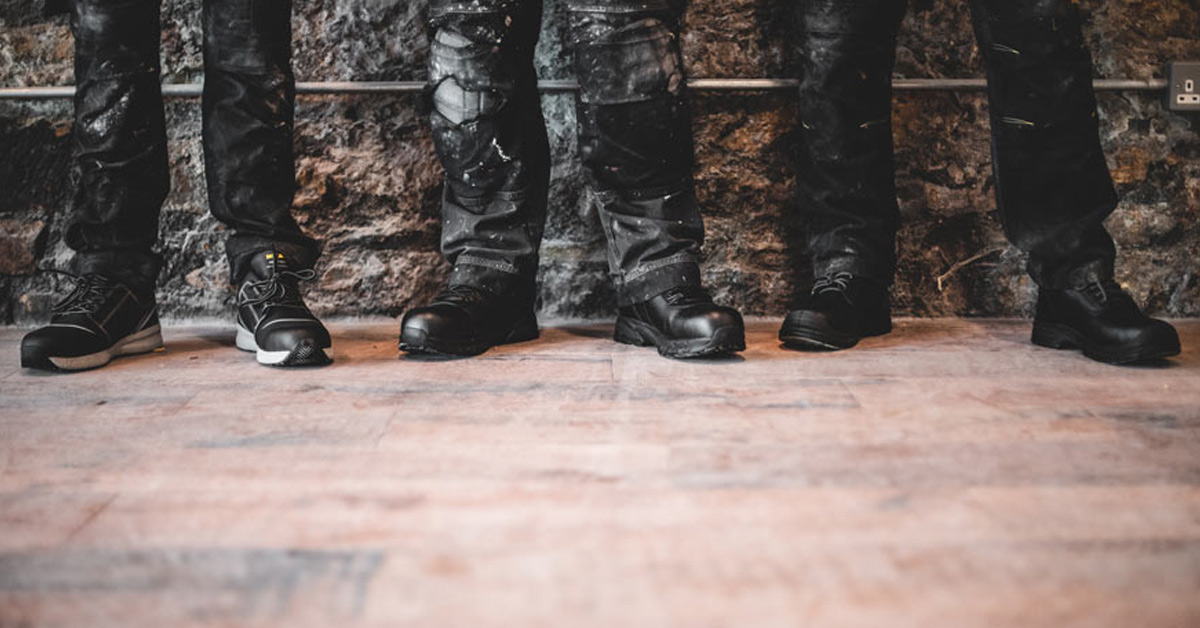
x=806, y=333
x=725, y=341
x=1056, y=336
x=144, y=341
x=413, y=340
x=305, y=353
x=821, y=340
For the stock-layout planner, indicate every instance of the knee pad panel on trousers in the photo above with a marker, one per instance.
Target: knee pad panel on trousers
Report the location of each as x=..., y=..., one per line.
x=635, y=134
x=470, y=79
x=625, y=57
x=474, y=58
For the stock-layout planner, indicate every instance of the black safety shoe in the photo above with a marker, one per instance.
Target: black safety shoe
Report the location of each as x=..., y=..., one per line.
x=841, y=310
x=272, y=319
x=99, y=320
x=682, y=322
x=464, y=320
x=1103, y=321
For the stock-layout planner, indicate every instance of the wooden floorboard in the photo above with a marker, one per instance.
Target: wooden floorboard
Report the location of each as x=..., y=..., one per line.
x=949, y=474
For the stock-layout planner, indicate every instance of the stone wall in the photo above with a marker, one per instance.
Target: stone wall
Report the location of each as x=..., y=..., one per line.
x=369, y=183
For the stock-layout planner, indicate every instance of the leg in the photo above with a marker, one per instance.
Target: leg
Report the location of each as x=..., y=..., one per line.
x=119, y=142
x=489, y=133
x=846, y=178
x=248, y=114
x=635, y=140
x=1053, y=186
x=120, y=154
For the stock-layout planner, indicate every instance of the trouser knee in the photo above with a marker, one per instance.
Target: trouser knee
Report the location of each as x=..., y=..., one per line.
x=480, y=66
x=635, y=131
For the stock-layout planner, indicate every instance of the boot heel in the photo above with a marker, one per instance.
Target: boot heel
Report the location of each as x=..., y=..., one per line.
x=1053, y=336
x=879, y=325
x=145, y=341
x=626, y=332
x=524, y=331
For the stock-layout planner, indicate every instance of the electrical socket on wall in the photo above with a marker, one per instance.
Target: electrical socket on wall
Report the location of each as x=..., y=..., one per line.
x=1183, y=86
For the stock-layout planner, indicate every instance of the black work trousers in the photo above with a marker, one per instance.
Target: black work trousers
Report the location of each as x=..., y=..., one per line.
x=120, y=140
x=634, y=140
x=1053, y=187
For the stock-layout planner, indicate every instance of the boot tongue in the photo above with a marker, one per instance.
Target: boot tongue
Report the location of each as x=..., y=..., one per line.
x=267, y=264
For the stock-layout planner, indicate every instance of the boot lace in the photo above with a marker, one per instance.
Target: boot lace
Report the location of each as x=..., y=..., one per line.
x=460, y=295
x=275, y=289
x=837, y=282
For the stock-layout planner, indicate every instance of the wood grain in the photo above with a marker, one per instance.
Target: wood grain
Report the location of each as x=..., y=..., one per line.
x=950, y=474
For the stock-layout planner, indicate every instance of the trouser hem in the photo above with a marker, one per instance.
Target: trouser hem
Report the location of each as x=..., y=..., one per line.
x=239, y=250
x=653, y=279
x=493, y=276
x=137, y=269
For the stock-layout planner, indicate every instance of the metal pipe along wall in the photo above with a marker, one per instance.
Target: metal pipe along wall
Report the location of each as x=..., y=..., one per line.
x=193, y=90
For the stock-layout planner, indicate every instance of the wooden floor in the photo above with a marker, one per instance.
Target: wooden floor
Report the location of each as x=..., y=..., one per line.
x=950, y=474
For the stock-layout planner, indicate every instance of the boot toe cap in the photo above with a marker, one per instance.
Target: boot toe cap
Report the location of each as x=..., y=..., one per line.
x=1158, y=335
x=434, y=322
x=60, y=342
x=285, y=336
x=709, y=322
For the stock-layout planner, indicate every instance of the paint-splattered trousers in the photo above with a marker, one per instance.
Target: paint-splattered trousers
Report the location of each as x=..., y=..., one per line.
x=1053, y=187
x=634, y=140
x=120, y=139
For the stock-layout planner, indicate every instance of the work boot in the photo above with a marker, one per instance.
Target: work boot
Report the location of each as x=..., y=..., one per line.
x=272, y=319
x=841, y=310
x=1103, y=321
x=99, y=320
x=464, y=320
x=682, y=322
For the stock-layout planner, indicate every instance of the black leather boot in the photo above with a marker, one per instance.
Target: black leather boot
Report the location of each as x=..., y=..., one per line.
x=272, y=318
x=682, y=323
x=1103, y=321
x=840, y=311
x=101, y=319
x=464, y=320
